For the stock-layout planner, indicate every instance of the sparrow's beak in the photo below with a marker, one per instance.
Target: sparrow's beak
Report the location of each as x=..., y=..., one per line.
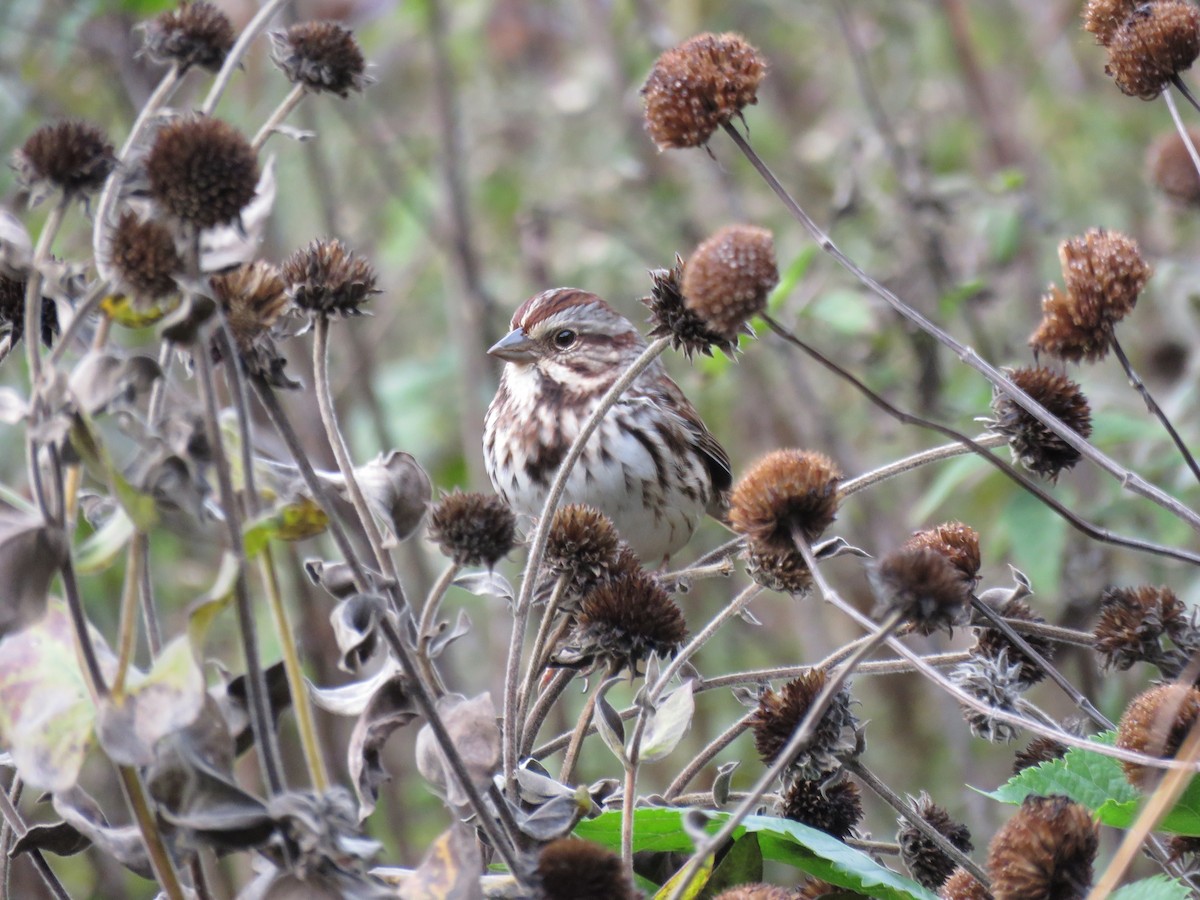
x=516, y=347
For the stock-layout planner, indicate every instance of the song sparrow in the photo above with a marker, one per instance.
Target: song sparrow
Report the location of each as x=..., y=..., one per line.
x=651, y=465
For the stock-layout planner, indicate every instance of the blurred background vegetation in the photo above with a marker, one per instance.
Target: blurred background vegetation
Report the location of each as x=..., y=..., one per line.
x=948, y=146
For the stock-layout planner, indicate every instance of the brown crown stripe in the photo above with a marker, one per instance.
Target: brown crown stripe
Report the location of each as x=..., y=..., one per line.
x=541, y=306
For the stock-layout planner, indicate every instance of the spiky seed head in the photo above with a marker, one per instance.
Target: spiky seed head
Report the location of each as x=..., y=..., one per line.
x=670, y=317
x=1133, y=621
x=571, y=869
x=1103, y=17
x=727, y=279
x=1034, y=445
x=1044, y=852
x=957, y=542
x=195, y=34
x=1038, y=751
x=12, y=311
x=321, y=56
x=144, y=256
x=1156, y=723
x=996, y=682
x=202, y=171
x=759, y=891
x=833, y=806
x=473, y=529
x=254, y=299
x=698, y=86
x=1155, y=43
x=924, y=586
x=991, y=641
x=624, y=619
x=962, y=885
x=778, y=570
x=1171, y=168
x=924, y=859
x=327, y=278
x=835, y=740
x=815, y=889
x=582, y=546
x=783, y=492
x=70, y=156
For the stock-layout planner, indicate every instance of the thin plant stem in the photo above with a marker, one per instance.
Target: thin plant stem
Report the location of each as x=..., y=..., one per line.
x=681, y=580
x=158, y=393
x=629, y=797
x=127, y=626
x=428, y=613
x=16, y=825
x=1129, y=480
x=705, y=756
x=542, y=706
x=1182, y=87
x=160, y=859
x=281, y=112
x=581, y=730
x=90, y=303
x=83, y=633
x=873, y=667
x=146, y=596
x=253, y=28
x=537, y=550
x=724, y=551
x=923, y=458
x=534, y=668
x=33, y=289
x=1155, y=410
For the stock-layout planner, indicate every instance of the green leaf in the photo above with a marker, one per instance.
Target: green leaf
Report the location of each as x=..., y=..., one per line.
x=206, y=608
x=791, y=276
x=1160, y=887
x=102, y=547
x=295, y=521
x=743, y=864
x=1038, y=537
x=697, y=879
x=847, y=312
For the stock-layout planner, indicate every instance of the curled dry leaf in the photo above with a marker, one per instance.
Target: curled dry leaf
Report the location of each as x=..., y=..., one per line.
x=391, y=706
x=31, y=552
x=398, y=491
x=355, y=628
x=475, y=734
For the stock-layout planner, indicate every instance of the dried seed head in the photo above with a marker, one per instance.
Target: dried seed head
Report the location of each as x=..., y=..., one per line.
x=990, y=641
x=815, y=889
x=698, y=86
x=924, y=586
x=997, y=682
x=1171, y=168
x=924, y=859
x=957, y=542
x=835, y=739
x=778, y=570
x=202, y=171
x=833, y=806
x=1044, y=852
x=1133, y=622
x=322, y=56
x=70, y=156
x=144, y=255
x=1034, y=445
x=758, y=891
x=786, y=491
x=12, y=311
x=1184, y=849
x=473, y=529
x=1156, y=723
x=1154, y=44
x=624, y=619
x=962, y=885
x=195, y=34
x=326, y=278
x=571, y=869
x=670, y=317
x=253, y=298
x=1038, y=751
x=1103, y=17
x=582, y=546
x=727, y=278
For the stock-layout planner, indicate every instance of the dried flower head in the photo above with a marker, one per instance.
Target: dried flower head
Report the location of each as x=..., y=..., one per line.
x=195, y=34
x=924, y=859
x=670, y=317
x=1103, y=17
x=996, y=682
x=1134, y=621
x=321, y=56
x=144, y=256
x=1038, y=751
x=202, y=171
x=759, y=891
x=326, y=278
x=581, y=546
x=698, y=86
x=1034, y=445
x=924, y=587
x=69, y=156
x=12, y=311
x=473, y=529
x=833, y=806
x=815, y=889
x=778, y=570
x=1185, y=850
x=835, y=739
x=621, y=621
x=957, y=542
x=990, y=641
x=1044, y=852
x=962, y=885
x=1156, y=723
x=785, y=492
x=1154, y=44
x=727, y=279
x=1171, y=169
x=254, y=299
x=571, y=869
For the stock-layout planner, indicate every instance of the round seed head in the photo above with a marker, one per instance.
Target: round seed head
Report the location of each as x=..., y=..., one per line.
x=957, y=542
x=12, y=311
x=326, y=278
x=1044, y=852
x=321, y=56
x=962, y=885
x=624, y=619
x=144, y=255
x=815, y=889
x=728, y=278
x=996, y=682
x=1103, y=17
x=202, y=171
x=253, y=298
x=835, y=740
x=1171, y=169
x=1038, y=751
x=991, y=642
x=1034, y=445
x=69, y=156
x=1156, y=723
x=698, y=86
x=195, y=34
x=778, y=570
x=582, y=545
x=758, y=891
x=473, y=529
x=670, y=317
x=834, y=806
x=1154, y=44
x=1133, y=622
x=924, y=859
x=786, y=491
x=928, y=590
x=571, y=869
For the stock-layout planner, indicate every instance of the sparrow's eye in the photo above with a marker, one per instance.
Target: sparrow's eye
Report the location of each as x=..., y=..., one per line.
x=564, y=339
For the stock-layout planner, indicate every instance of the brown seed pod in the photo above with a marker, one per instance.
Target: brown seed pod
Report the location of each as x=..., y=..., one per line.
x=927, y=589
x=836, y=737
x=924, y=859
x=778, y=570
x=473, y=529
x=1133, y=622
x=758, y=891
x=70, y=156
x=582, y=546
x=962, y=885
x=254, y=299
x=815, y=889
x=957, y=542
x=624, y=619
x=991, y=641
x=783, y=492
x=144, y=255
x=326, y=278
x=571, y=869
x=1034, y=445
x=1171, y=169
x=1156, y=723
x=1044, y=852
x=321, y=56
x=670, y=317
x=1103, y=17
x=1038, y=751
x=195, y=34
x=202, y=171
x=1154, y=44
x=727, y=279
x=832, y=806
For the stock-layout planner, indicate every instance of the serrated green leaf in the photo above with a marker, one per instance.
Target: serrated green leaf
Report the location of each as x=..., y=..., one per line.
x=1160, y=887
